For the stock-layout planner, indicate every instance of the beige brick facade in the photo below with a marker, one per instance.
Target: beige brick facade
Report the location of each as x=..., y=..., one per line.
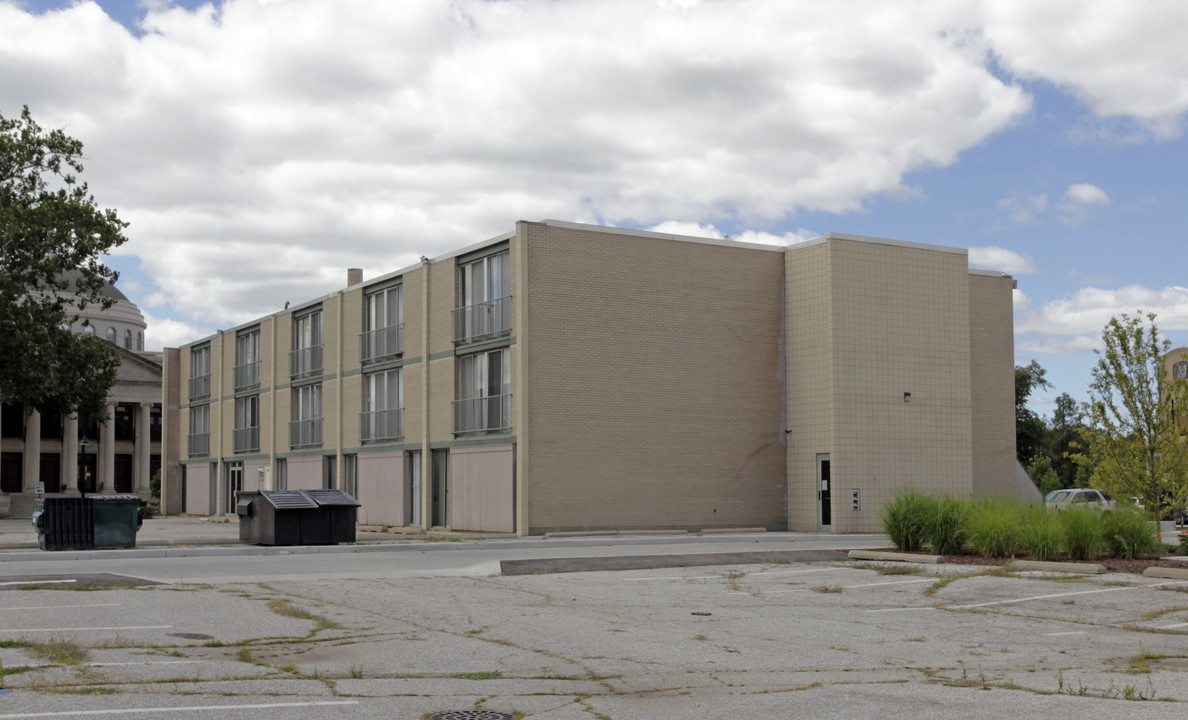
x=656, y=381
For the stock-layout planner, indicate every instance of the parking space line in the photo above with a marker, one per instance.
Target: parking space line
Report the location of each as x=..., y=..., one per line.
x=78, y=629
x=1173, y=625
x=38, y=582
x=1057, y=595
x=194, y=708
x=843, y=587
x=147, y=662
x=893, y=582
x=61, y=607
x=903, y=609
x=723, y=575
x=1071, y=632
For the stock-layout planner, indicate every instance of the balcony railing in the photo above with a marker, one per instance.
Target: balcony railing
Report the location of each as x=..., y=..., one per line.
x=305, y=433
x=246, y=439
x=305, y=361
x=484, y=321
x=247, y=376
x=381, y=425
x=490, y=414
x=199, y=444
x=200, y=386
x=383, y=343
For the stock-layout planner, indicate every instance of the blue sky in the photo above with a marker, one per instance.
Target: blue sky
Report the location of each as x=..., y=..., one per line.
x=260, y=148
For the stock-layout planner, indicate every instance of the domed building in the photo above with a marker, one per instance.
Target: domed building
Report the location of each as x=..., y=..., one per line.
x=51, y=455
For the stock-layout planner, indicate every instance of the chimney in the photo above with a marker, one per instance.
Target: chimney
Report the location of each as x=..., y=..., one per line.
x=354, y=276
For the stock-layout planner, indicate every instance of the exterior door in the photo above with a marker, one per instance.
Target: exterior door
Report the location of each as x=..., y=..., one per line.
x=824, y=503
x=234, y=485
x=441, y=487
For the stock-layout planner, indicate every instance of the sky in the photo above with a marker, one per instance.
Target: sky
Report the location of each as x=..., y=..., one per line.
x=261, y=147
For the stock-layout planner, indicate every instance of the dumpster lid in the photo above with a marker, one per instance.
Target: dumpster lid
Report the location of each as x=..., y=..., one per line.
x=288, y=499
x=331, y=497
x=115, y=498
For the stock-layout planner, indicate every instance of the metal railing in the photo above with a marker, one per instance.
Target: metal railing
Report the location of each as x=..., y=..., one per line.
x=381, y=425
x=305, y=361
x=382, y=343
x=198, y=444
x=245, y=439
x=305, y=433
x=200, y=386
x=482, y=321
x=247, y=376
x=490, y=414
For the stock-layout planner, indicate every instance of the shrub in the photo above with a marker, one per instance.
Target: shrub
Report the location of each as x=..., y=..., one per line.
x=1083, y=527
x=1042, y=534
x=944, y=524
x=993, y=528
x=1130, y=533
x=904, y=517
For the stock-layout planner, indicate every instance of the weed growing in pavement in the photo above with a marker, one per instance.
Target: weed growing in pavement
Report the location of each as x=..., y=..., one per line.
x=60, y=651
x=826, y=589
x=484, y=675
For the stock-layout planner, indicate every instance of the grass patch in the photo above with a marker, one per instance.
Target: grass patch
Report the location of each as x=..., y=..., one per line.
x=284, y=608
x=1041, y=535
x=60, y=651
x=904, y=517
x=484, y=675
x=939, y=585
x=1084, y=536
x=994, y=528
x=826, y=589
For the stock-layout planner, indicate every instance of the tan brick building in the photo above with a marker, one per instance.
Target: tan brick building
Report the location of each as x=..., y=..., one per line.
x=567, y=376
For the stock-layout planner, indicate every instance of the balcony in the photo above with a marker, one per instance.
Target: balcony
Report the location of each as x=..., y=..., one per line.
x=247, y=376
x=200, y=387
x=476, y=416
x=375, y=345
x=198, y=444
x=305, y=362
x=305, y=433
x=484, y=321
x=245, y=439
x=381, y=425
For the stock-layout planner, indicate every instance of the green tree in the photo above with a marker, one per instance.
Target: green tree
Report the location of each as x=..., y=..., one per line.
x=1030, y=428
x=1132, y=437
x=51, y=235
x=1063, y=439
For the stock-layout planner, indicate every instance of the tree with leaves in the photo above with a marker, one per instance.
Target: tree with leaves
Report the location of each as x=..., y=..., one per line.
x=52, y=235
x=1131, y=434
x=1030, y=428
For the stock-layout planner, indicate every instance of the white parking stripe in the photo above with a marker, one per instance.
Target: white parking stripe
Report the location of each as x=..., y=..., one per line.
x=38, y=582
x=894, y=582
x=723, y=575
x=1174, y=625
x=843, y=587
x=61, y=607
x=147, y=662
x=1056, y=595
x=195, y=708
x=75, y=629
x=1073, y=632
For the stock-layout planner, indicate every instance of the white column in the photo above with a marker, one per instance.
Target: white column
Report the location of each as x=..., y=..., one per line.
x=140, y=482
x=107, y=451
x=70, y=454
x=32, y=473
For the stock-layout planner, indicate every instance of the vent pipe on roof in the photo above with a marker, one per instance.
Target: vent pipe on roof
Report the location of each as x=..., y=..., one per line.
x=354, y=276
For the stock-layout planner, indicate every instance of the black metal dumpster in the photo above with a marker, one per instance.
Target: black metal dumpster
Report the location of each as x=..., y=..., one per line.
x=296, y=517
x=339, y=511
x=117, y=518
x=64, y=523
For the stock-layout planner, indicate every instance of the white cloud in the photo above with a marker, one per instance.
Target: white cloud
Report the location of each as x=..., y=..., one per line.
x=163, y=332
x=261, y=148
x=1119, y=58
x=1086, y=194
x=1019, y=300
x=1087, y=311
x=755, y=237
x=996, y=258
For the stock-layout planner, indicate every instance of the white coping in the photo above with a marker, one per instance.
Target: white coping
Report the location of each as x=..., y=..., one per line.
x=720, y=242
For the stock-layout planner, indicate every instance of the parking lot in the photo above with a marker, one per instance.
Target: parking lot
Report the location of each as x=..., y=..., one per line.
x=846, y=639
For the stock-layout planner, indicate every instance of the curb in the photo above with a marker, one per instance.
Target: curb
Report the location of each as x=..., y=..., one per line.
x=1060, y=567
x=897, y=557
x=1162, y=572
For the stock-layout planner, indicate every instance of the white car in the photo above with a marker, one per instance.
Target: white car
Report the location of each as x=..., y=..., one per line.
x=1089, y=497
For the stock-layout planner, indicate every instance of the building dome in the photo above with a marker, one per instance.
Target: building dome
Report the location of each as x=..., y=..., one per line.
x=121, y=324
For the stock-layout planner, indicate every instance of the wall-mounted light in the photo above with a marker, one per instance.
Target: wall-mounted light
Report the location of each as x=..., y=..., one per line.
x=907, y=397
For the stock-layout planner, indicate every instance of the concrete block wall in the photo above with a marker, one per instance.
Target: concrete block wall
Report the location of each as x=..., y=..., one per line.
x=992, y=384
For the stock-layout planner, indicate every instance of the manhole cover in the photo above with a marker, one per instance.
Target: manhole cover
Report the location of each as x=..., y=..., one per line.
x=192, y=636
x=471, y=715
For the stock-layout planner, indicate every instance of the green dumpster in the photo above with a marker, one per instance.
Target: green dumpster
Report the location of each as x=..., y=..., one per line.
x=117, y=518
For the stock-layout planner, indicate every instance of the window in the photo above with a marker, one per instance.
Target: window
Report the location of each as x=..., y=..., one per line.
x=383, y=325
x=200, y=372
x=11, y=472
x=199, y=438
x=305, y=429
x=1180, y=370
x=12, y=420
x=484, y=310
x=125, y=426
x=383, y=405
x=246, y=437
x=140, y=342
x=247, y=360
x=111, y=335
x=155, y=424
x=89, y=330
x=51, y=425
x=484, y=393
x=127, y=339
x=306, y=358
